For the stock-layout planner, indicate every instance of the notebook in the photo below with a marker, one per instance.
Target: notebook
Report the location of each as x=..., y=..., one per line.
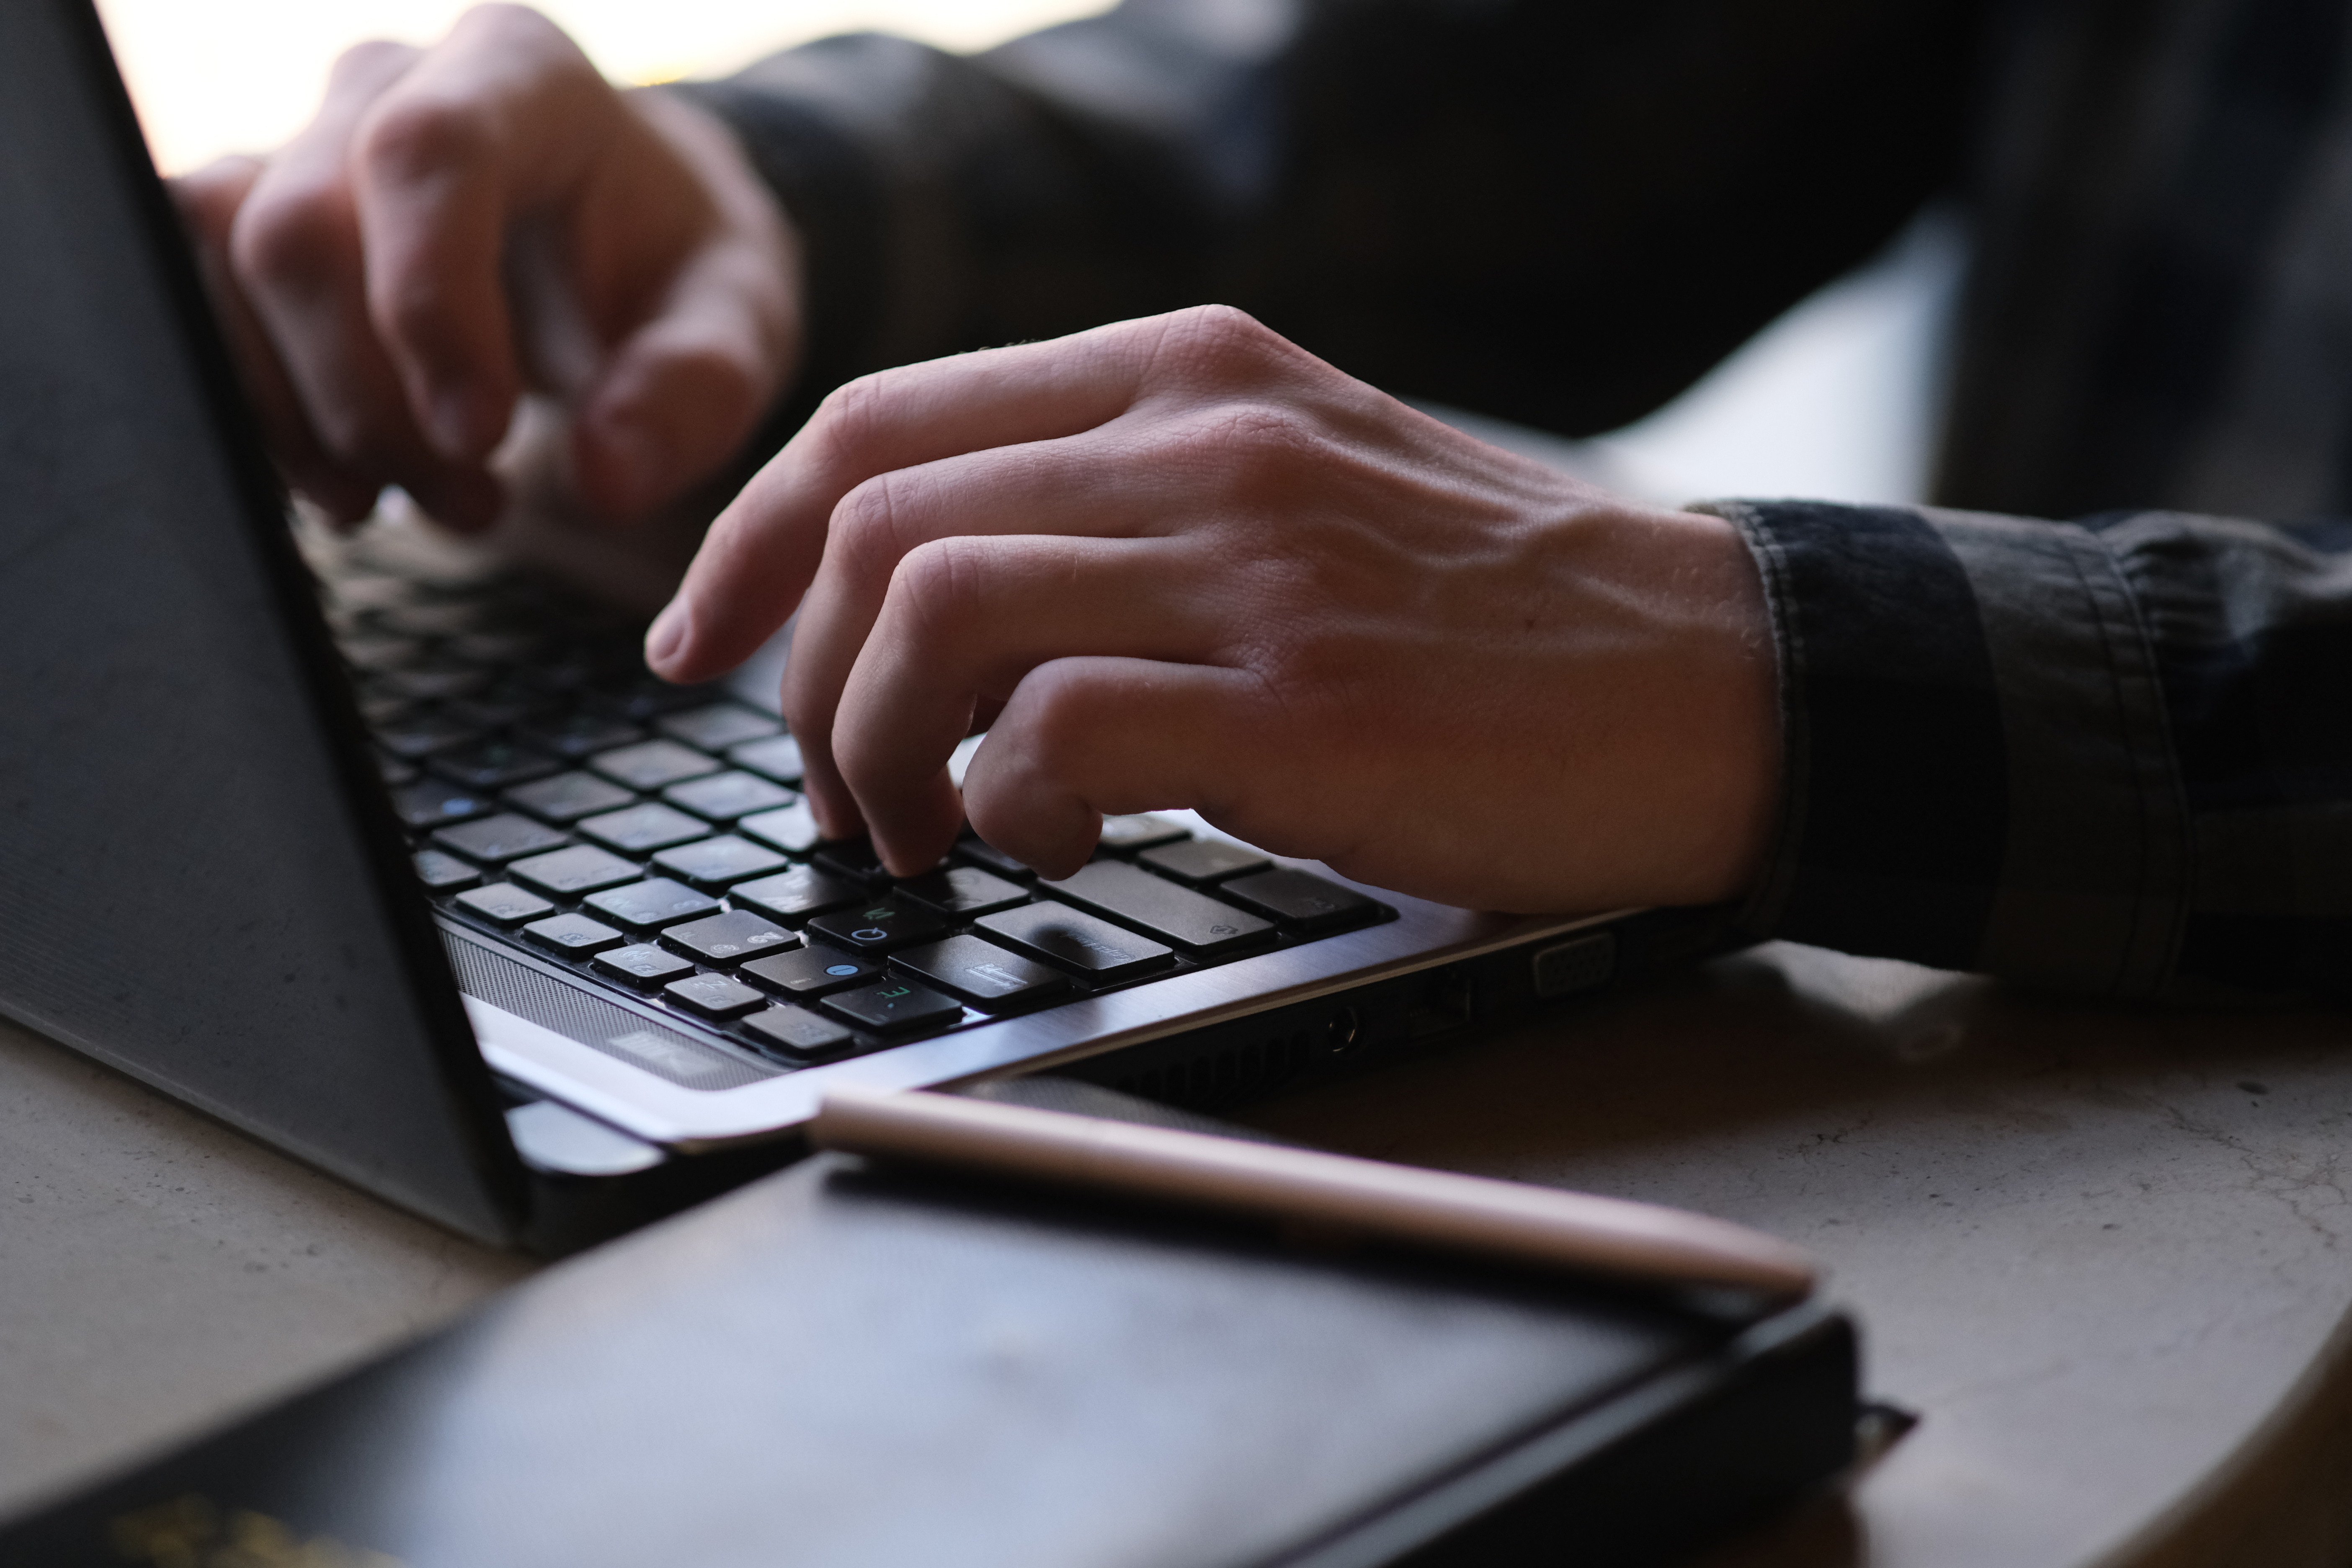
x=416, y=873
x=867, y=1367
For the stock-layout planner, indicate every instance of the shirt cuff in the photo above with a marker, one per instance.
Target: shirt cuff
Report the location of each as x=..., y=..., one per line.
x=1977, y=773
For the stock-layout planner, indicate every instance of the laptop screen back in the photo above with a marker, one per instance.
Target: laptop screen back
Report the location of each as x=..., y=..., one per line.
x=199, y=882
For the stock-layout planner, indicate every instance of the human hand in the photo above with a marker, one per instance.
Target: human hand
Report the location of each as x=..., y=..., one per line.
x=1193, y=565
x=462, y=223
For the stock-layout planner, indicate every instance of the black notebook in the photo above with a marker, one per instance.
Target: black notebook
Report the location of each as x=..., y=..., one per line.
x=854, y=1366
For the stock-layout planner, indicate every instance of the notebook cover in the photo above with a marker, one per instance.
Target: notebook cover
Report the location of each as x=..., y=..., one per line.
x=855, y=1366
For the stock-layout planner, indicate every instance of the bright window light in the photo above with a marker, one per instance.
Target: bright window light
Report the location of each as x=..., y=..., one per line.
x=231, y=76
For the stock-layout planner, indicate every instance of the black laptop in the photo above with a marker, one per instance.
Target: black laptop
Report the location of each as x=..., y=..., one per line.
x=416, y=873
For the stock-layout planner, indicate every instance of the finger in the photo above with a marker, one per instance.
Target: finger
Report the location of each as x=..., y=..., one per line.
x=1082, y=739
x=683, y=391
x=498, y=118
x=1072, y=486
x=696, y=360
x=208, y=200
x=295, y=247
x=964, y=623
x=763, y=550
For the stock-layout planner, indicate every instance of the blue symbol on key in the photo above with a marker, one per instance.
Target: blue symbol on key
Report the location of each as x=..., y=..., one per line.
x=841, y=968
x=869, y=933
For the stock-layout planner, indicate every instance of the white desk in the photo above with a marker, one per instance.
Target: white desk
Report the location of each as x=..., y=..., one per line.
x=2114, y=1281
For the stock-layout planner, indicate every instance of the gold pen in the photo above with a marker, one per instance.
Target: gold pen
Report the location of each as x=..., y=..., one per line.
x=1531, y=1224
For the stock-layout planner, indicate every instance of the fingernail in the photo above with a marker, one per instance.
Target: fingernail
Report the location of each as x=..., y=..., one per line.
x=667, y=635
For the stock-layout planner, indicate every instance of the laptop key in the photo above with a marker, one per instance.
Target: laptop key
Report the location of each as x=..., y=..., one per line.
x=988, y=858
x=642, y=965
x=634, y=693
x=575, y=872
x=1203, y=861
x=717, y=864
x=809, y=970
x=982, y=973
x=505, y=837
x=494, y=765
x=724, y=939
x=574, y=736
x=642, y=829
x=723, y=797
x=718, y=726
x=796, y=1032
x=394, y=770
x=502, y=702
x=418, y=736
x=792, y=828
x=1062, y=935
x=503, y=903
x=499, y=647
x=1179, y=916
x=363, y=650
x=568, y=797
x=964, y=890
x=435, y=804
x=1300, y=899
x=851, y=857
x=793, y=895
x=444, y=873
x=650, y=764
x=715, y=995
x=575, y=934
x=894, y=1008
x=652, y=904
x=884, y=925
x=381, y=708
x=1124, y=835
x=778, y=757
x=435, y=678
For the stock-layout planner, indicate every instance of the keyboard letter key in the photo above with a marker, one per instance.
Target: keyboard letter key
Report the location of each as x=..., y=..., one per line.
x=1061, y=935
x=1188, y=920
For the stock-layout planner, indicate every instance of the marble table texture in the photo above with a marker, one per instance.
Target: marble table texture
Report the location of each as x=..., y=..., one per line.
x=2101, y=1251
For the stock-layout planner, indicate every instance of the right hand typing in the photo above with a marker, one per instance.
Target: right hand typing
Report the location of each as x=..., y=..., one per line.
x=464, y=223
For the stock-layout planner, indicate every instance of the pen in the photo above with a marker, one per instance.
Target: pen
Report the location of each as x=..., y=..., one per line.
x=1542, y=1226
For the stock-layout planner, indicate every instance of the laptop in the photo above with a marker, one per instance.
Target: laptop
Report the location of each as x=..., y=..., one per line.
x=413, y=872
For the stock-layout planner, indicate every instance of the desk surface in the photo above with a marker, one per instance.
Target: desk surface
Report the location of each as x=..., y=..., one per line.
x=2103, y=1252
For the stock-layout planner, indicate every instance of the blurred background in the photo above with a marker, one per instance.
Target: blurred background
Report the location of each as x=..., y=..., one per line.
x=1838, y=399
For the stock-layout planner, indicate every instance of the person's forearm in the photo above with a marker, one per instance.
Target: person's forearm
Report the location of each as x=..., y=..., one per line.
x=2111, y=758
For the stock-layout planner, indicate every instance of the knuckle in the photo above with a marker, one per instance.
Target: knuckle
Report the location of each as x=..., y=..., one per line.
x=411, y=136
x=294, y=237
x=1247, y=449
x=938, y=586
x=509, y=27
x=1062, y=721
x=370, y=60
x=865, y=527
x=1219, y=342
x=847, y=421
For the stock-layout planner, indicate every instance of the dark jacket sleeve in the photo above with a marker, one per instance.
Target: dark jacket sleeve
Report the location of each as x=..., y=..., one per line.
x=1561, y=212
x=2107, y=757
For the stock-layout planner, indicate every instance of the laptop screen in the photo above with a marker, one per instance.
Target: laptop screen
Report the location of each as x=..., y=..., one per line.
x=199, y=882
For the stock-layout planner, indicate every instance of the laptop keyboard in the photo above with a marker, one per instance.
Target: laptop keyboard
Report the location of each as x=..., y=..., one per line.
x=652, y=839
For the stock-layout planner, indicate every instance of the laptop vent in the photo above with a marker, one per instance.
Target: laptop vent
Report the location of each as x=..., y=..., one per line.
x=1219, y=1078
x=619, y=1032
